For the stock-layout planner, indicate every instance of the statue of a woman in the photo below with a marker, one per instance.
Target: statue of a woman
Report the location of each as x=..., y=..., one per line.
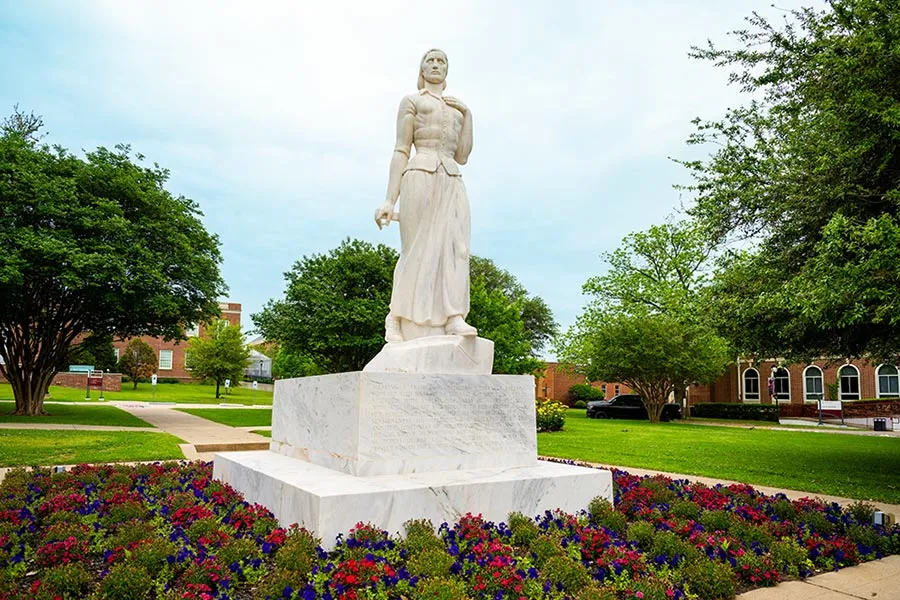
x=430, y=295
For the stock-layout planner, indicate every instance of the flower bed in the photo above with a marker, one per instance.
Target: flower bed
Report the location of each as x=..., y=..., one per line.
x=170, y=531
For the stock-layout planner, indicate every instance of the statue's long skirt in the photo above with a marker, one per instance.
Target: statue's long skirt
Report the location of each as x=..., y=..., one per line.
x=431, y=280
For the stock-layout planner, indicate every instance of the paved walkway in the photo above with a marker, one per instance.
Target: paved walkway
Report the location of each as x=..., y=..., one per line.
x=806, y=426
x=71, y=427
x=876, y=580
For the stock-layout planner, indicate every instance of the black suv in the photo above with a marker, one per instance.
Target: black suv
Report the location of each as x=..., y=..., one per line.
x=628, y=406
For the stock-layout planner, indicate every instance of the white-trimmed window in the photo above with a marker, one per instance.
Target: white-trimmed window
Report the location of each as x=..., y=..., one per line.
x=751, y=385
x=782, y=384
x=192, y=331
x=849, y=381
x=813, y=384
x=165, y=360
x=603, y=389
x=888, y=381
x=116, y=354
x=188, y=360
x=617, y=390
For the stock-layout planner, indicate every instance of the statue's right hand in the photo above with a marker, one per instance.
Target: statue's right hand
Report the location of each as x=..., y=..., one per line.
x=383, y=215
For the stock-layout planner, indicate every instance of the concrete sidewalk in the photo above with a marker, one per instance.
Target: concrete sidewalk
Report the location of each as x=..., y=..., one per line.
x=73, y=427
x=876, y=580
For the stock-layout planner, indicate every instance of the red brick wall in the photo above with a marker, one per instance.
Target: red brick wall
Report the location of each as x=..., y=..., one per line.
x=558, y=379
x=112, y=382
x=231, y=311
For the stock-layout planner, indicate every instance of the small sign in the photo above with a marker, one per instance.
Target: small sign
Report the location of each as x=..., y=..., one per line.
x=95, y=382
x=81, y=368
x=153, y=379
x=255, y=384
x=831, y=404
x=228, y=383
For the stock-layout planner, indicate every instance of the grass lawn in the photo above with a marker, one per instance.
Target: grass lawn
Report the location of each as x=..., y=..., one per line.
x=263, y=432
x=234, y=417
x=183, y=393
x=852, y=466
x=20, y=447
x=75, y=415
x=749, y=423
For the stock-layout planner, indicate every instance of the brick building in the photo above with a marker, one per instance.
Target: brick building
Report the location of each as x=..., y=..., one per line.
x=747, y=381
x=557, y=380
x=171, y=354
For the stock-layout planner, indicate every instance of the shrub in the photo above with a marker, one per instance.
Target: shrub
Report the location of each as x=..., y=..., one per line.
x=641, y=533
x=685, y=509
x=299, y=551
x=551, y=415
x=709, y=580
x=580, y=404
x=274, y=585
x=603, y=514
x=572, y=575
x=592, y=592
x=862, y=512
x=126, y=582
x=431, y=563
x=544, y=548
x=67, y=582
x=788, y=557
x=420, y=536
x=717, y=520
x=743, y=412
x=523, y=529
x=152, y=555
x=440, y=589
x=584, y=392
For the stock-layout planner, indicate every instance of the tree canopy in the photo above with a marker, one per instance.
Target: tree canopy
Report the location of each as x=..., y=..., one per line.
x=335, y=304
x=219, y=354
x=138, y=361
x=808, y=172
x=94, y=244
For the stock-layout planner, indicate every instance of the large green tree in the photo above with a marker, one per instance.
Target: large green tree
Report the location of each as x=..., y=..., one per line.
x=335, y=304
x=93, y=244
x=219, y=354
x=138, y=361
x=654, y=353
x=808, y=171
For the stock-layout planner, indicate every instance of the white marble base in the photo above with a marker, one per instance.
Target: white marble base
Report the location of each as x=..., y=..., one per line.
x=329, y=502
x=439, y=354
x=392, y=423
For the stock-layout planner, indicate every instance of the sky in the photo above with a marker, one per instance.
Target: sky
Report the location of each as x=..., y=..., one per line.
x=278, y=117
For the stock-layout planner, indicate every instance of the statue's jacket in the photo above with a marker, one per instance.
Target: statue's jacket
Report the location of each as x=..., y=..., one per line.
x=435, y=134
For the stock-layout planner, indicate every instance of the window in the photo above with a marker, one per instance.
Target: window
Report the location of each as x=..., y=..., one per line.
x=888, y=381
x=782, y=384
x=189, y=363
x=849, y=377
x=603, y=389
x=192, y=331
x=617, y=390
x=165, y=360
x=751, y=385
x=813, y=387
x=116, y=354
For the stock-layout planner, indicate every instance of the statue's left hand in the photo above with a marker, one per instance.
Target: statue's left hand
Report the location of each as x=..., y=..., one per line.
x=456, y=103
x=384, y=215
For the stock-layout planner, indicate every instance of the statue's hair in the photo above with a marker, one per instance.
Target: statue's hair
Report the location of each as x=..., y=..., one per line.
x=421, y=82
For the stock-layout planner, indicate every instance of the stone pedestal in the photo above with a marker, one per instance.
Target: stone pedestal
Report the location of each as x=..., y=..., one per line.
x=442, y=354
x=389, y=447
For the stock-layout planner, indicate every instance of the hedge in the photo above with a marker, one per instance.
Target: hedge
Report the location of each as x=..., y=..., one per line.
x=742, y=412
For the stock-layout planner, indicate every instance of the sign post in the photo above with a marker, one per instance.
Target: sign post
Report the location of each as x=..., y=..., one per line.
x=153, y=379
x=255, y=386
x=831, y=407
x=227, y=385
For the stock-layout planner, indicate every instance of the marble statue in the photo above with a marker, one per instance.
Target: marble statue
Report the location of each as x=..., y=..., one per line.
x=430, y=294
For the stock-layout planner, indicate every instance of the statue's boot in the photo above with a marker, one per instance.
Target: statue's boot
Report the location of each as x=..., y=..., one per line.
x=457, y=326
x=392, y=333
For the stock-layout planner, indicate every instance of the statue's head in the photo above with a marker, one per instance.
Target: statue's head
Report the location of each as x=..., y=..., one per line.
x=433, y=68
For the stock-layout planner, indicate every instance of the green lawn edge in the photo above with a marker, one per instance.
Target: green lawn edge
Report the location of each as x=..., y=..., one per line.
x=29, y=447
x=179, y=393
x=233, y=417
x=71, y=414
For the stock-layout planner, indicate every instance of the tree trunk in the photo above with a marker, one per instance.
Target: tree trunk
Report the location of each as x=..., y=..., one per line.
x=217, y=389
x=679, y=399
x=29, y=392
x=135, y=383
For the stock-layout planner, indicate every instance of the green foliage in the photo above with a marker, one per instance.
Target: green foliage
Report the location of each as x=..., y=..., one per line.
x=602, y=513
x=550, y=415
x=580, y=404
x=544, y=548
x=127, y=582
x=592, y=592
x=96, y=350
x=808, y=169
x=430, y=562
x=685, y=509
x=152, y=556
x=287, y=364
x=65, y=582
x=641, y=533
x=440, y=589
x=585, y=392
x=138, y=360
x=717, y=520
x=298, y=554
x=332, y=316
x=94, y=244
x=862, y=512
x=653, y=353
x=788, y=556
x=743, y=412
x=523, y=529
x=709, y=580
x=572, y=575
x=219, y=354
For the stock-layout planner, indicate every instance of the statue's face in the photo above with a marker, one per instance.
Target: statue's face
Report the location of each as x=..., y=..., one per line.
x=434, y=67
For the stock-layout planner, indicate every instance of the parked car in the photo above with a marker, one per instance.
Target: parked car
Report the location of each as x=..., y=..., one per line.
x=628, y=406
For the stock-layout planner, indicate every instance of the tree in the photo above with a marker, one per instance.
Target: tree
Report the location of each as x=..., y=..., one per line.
x=287, y=364
x=92, y=245
x=335, y=304
x=96, y=350
x=653, y=353
x=219, y=354
x=26, y=125
x=808, y=171
x=138, y=361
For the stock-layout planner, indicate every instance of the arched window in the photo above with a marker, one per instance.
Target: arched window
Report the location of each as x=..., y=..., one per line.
x=888, y=381
x=782, y=384
x=849, y=379
x=813, y=386
x=751, y=385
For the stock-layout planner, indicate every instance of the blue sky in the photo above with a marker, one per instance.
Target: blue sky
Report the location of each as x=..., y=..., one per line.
x=278, y=117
